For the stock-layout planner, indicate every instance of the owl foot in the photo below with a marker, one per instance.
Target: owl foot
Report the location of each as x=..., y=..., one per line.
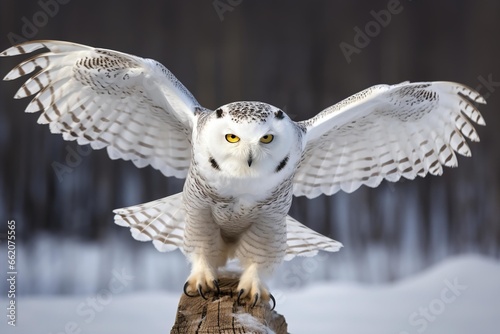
x=200, y=289
x=251, y=287
x=200, y=283
x=256, y=298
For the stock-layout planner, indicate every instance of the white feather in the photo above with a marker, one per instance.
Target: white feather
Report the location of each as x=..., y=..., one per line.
x=160, y=221
x=387, y=132
x=302, y=241
x=110, y=99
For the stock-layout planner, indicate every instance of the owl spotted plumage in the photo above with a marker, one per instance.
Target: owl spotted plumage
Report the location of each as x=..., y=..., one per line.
x=244, y=161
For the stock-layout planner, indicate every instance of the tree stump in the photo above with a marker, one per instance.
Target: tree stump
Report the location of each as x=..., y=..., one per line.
x=222, y=314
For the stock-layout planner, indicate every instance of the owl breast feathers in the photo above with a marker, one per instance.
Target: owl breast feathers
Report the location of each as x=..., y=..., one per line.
x=244, y=161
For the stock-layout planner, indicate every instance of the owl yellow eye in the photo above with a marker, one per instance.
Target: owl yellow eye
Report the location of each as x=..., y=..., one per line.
x=267, y=139
x=232, y=138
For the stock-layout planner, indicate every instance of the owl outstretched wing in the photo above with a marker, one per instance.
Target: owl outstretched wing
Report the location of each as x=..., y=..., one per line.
x=387, y=132
x=161, y=221
x=303, y=241
x=134, y=107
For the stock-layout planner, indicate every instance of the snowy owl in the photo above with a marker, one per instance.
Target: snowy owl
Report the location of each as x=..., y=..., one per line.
x=244, y=161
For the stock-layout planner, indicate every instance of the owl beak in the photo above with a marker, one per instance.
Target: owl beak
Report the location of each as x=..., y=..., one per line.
x=250, y=159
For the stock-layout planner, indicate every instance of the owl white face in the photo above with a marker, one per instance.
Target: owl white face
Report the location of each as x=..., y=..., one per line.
x=250, y=139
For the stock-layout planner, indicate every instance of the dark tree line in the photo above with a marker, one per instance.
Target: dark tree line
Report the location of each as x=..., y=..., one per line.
x=287, y=53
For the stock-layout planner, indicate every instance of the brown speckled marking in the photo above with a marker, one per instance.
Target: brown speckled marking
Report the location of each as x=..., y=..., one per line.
x=249, y=112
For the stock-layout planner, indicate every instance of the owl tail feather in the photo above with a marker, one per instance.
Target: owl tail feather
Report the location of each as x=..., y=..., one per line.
x=303, y=241
x=162, y=221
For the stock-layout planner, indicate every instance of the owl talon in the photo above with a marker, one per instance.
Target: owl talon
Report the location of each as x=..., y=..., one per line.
x=185, y=290
x=242, y=291
x=200, y=291
x=274, y=301
x=216, y=284
x=255, y=299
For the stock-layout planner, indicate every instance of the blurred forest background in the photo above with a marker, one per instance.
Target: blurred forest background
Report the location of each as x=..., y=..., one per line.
x=286, y=53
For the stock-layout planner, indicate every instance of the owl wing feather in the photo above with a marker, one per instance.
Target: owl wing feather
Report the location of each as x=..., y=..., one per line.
x=387, y=132
x=303, y=241
x=161, y=221
x=134, y=107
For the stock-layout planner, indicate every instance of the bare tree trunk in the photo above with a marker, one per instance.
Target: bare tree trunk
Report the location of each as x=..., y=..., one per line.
x=223, y=314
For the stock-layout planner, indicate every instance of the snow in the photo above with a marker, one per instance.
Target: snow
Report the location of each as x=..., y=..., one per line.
x=459, y=295
x=251, y=323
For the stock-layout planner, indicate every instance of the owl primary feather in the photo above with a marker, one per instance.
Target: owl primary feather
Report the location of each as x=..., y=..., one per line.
x=244, y=161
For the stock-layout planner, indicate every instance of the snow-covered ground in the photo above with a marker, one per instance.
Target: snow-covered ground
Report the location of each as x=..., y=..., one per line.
x=459, y=296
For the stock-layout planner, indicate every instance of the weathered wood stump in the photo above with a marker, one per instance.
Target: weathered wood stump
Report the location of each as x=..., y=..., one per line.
x=222, y=314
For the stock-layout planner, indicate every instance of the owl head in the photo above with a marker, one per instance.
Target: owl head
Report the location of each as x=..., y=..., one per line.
x=250, y=139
